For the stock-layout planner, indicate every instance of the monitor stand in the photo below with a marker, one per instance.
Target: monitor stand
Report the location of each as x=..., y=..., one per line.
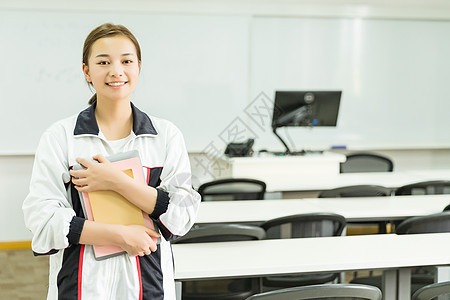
x=293, y=153
x=288, y=151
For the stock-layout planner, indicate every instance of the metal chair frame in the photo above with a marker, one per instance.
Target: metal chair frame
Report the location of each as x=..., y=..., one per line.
x=322, y=291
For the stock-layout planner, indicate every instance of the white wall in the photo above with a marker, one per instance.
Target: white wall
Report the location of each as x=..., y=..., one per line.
x=15, y=169
x=15, y=173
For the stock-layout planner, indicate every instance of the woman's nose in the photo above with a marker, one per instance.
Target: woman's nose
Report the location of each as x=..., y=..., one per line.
x=116, y=70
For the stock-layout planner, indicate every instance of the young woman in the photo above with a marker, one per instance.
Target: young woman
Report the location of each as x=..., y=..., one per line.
x=111, y=124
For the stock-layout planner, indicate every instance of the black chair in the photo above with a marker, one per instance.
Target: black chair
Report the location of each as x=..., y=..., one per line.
x=323, y=292
x=435, y=187
x=233, y=189
x=360, y=191
x=302, y=226
x=222, y=233
x=221, y=289
x=356, y=191
x=432, y=291
x=366, y=162
x=434, y=223
x=425, y=188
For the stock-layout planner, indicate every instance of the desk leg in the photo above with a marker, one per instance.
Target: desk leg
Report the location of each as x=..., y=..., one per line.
x=389, y=285
x=404, y=284
x=442, y=274
x=178, y=290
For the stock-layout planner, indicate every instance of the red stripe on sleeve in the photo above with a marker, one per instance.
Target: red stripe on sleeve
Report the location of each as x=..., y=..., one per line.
x=80, y=270
x=148, y=175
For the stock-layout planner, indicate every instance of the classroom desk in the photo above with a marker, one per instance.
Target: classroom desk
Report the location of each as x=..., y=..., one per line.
x=327, y=182
x=310, y=255
x=315, y=172
x=326, y=163
x=354, y=209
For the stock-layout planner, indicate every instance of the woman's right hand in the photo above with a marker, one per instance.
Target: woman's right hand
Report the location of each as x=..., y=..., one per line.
x=137, y=239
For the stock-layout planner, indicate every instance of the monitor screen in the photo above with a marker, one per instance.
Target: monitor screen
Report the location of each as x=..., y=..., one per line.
x=306, y=108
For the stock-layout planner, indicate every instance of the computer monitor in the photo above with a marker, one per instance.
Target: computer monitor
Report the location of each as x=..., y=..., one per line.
x=306, y=108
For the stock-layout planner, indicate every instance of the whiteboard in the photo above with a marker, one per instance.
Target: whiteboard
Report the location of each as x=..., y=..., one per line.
x=194, y=71
x=202, y=72
x=394, y=76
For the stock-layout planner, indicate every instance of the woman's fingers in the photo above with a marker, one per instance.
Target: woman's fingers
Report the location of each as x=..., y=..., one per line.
x=152, y=232
x=96, y=176
x=87, y=163
x=83, y=189
x=100, y=158
x=79, y=181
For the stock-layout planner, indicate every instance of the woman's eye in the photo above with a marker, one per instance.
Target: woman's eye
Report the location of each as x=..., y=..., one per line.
x=103, y=63
x=128, y=61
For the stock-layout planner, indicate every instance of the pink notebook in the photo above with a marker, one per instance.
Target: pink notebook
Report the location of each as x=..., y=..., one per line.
x=112, y=208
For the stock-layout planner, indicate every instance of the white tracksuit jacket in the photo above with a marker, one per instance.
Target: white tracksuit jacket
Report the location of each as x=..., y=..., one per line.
x=53, y=212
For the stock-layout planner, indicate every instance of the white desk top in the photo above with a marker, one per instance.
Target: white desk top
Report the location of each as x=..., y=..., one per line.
x=308, y=255
x=387, y=179
x=353, y=209
x=322, y=182
x=310, y=157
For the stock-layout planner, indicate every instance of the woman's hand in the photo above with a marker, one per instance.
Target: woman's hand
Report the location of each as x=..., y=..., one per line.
x=137, y=240
x=134, y=239
x=96, y=176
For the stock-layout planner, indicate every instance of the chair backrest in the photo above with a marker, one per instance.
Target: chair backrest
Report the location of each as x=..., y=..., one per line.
x=366, y=162
x=432, y=291
x=233, y=189
x=322, y=291
x=425, y=188
x=356, y=191
x=434, y=223
x=222, y=233
x=304, y=225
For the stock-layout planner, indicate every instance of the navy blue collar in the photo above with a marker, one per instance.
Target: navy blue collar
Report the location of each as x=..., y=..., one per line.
x=87, y=123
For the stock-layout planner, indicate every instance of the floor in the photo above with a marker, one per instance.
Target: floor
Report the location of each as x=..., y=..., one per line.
x=22, y=275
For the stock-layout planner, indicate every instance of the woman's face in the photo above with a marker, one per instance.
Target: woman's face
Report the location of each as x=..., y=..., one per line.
x=113, y=68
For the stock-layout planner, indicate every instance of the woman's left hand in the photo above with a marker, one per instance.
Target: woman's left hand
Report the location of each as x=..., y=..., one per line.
x=96, y=176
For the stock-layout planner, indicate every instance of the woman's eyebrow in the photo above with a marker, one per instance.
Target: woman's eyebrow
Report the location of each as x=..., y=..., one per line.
x=107, y=55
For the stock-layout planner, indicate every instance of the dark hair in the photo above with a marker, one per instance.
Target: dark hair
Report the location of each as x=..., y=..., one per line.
x=107, y=30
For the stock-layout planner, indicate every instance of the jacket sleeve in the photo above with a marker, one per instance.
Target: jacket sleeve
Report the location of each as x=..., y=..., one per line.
x=47, y=208
x=177, y=203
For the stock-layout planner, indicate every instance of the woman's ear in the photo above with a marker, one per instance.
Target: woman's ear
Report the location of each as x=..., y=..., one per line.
x=86, y=73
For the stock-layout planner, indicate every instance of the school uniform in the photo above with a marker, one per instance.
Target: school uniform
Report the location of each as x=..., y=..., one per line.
x=53, y=212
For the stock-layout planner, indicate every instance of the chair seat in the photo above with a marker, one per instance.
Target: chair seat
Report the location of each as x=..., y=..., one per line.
x=417, y=281
x=440, y=290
